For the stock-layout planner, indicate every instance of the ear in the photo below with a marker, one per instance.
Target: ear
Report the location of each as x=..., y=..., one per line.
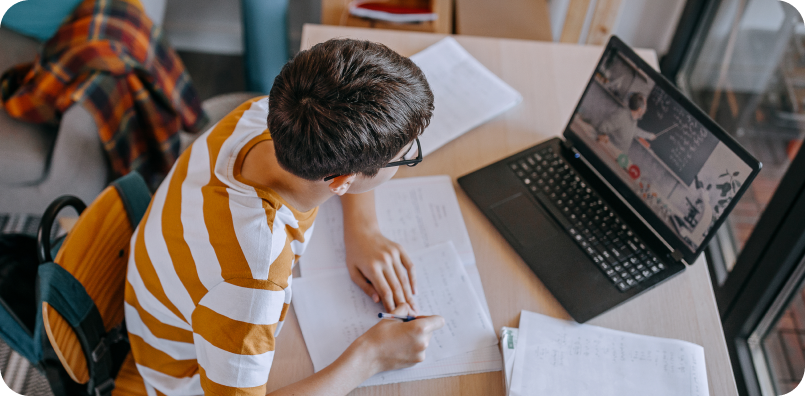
x=341, y=184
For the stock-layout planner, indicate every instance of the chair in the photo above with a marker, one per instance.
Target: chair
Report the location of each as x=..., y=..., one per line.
x=82, y=290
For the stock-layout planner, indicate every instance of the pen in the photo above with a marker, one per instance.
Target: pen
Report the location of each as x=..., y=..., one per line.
x=391, y=316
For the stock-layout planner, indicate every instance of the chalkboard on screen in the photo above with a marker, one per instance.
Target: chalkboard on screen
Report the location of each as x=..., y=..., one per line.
x=682, y=143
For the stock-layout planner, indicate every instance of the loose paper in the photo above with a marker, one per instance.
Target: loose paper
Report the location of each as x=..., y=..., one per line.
x=416, y=212
x=466, y=94
x=557, y=357
x=333, y=312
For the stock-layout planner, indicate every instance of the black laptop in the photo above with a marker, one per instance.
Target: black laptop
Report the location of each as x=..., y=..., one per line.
x=633, y=193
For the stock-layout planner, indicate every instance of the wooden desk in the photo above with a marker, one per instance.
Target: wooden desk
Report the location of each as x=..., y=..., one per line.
x=551, y=78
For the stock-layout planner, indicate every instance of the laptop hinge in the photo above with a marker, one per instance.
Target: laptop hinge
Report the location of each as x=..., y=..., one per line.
x=677, y=255
x=567, y=143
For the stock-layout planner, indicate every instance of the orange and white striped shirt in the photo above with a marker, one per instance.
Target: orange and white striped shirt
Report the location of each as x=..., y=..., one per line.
x=209, y=275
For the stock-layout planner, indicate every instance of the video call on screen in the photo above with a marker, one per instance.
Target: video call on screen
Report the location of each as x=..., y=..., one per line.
x=679, y=169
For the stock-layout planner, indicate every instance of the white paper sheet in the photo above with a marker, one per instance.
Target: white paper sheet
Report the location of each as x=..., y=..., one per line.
x=333, y=312
x=557, y=357
x=466, y=94
x=416, y=212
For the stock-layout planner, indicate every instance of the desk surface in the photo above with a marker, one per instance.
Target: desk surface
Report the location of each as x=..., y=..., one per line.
x=551, y=78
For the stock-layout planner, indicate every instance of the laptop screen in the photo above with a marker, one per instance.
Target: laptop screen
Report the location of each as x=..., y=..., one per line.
x=659, y=154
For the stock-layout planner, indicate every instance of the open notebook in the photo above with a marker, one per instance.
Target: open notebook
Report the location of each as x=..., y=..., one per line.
x=333, y=312
x=419, y=213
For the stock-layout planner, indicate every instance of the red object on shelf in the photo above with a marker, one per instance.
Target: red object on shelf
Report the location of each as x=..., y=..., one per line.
x=393, y=9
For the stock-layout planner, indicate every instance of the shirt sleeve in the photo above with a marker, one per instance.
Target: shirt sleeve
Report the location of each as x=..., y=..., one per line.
x=234, y=327
x=643, y=134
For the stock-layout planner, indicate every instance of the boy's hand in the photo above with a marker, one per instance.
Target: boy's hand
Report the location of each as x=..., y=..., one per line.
x=381, y=268
x=393, y=344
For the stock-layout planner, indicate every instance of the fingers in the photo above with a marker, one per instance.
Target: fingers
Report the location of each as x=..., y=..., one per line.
x=378, y=279
x=409, y=266
x=402, y=275
x=430, y=323
x=364, y=284
x=402, y=309
x=396, y=288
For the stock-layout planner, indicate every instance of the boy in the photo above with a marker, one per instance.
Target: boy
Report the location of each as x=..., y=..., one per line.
x=209, y=278
x=621, y=127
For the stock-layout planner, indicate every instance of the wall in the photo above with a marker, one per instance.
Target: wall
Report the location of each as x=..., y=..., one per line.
x=640, y=23
x=214, y=25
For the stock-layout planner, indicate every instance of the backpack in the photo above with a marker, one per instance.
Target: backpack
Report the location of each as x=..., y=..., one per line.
x=77, y=337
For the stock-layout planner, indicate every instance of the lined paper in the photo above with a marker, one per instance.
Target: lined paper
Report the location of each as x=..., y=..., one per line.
x=466, y=94
x=558, y=357
x=333, y=312
x=416, y=212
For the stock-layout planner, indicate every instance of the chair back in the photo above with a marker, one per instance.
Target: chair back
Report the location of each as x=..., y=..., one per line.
x=81, y=291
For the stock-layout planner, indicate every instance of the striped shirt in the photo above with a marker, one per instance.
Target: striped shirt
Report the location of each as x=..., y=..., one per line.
x=209, y=274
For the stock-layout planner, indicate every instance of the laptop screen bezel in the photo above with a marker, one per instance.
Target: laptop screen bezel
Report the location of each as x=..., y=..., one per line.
x=653, y=220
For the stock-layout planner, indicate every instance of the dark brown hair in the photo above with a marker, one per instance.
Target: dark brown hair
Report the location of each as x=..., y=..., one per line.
x=636, y=101
x=346, y=106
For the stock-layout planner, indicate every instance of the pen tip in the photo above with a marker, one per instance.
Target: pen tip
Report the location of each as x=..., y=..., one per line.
x=380, y=315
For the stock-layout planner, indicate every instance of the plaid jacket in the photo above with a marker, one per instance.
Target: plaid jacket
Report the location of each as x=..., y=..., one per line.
x=110, y=58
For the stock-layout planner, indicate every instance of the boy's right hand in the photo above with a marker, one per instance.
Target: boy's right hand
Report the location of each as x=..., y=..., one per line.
x=393, y=344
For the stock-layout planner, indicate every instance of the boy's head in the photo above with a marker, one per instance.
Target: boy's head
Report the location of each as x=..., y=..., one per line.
x=346, y=107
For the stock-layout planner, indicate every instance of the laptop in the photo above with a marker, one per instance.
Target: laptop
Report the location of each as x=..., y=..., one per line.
x=638, y=185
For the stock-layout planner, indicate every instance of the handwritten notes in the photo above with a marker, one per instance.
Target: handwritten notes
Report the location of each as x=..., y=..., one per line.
x=466, y=94
x=333, y=312
x=557, y=357
x=416, y=212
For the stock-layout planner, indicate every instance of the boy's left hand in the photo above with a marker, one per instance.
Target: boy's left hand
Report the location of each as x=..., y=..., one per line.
x=381, y=268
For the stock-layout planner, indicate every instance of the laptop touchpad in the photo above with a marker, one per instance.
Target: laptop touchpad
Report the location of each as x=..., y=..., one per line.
x=524, y=220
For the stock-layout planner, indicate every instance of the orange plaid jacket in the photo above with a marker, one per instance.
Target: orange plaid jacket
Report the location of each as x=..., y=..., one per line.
x=110, y=58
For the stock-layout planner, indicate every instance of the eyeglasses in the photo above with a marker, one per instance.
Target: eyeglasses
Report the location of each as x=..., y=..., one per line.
x=407, y=162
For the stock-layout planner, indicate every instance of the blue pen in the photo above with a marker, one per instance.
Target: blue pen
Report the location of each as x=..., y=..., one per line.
x=391, y=316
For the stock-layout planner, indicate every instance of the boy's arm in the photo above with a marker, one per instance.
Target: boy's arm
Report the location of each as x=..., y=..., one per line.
x=379, y=266
x=389, y=345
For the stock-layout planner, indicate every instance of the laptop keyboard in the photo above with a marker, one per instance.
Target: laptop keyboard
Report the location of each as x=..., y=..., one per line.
x=609, y=242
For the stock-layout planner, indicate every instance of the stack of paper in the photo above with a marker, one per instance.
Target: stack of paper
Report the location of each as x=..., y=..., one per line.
x=423, y=215
x=466, y=94
x=559, y=357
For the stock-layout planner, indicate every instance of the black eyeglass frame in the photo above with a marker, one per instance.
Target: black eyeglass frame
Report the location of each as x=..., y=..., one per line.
x=410, y=162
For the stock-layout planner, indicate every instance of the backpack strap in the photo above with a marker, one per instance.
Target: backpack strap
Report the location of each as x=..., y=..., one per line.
x=63, y=292
x=135, y=195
